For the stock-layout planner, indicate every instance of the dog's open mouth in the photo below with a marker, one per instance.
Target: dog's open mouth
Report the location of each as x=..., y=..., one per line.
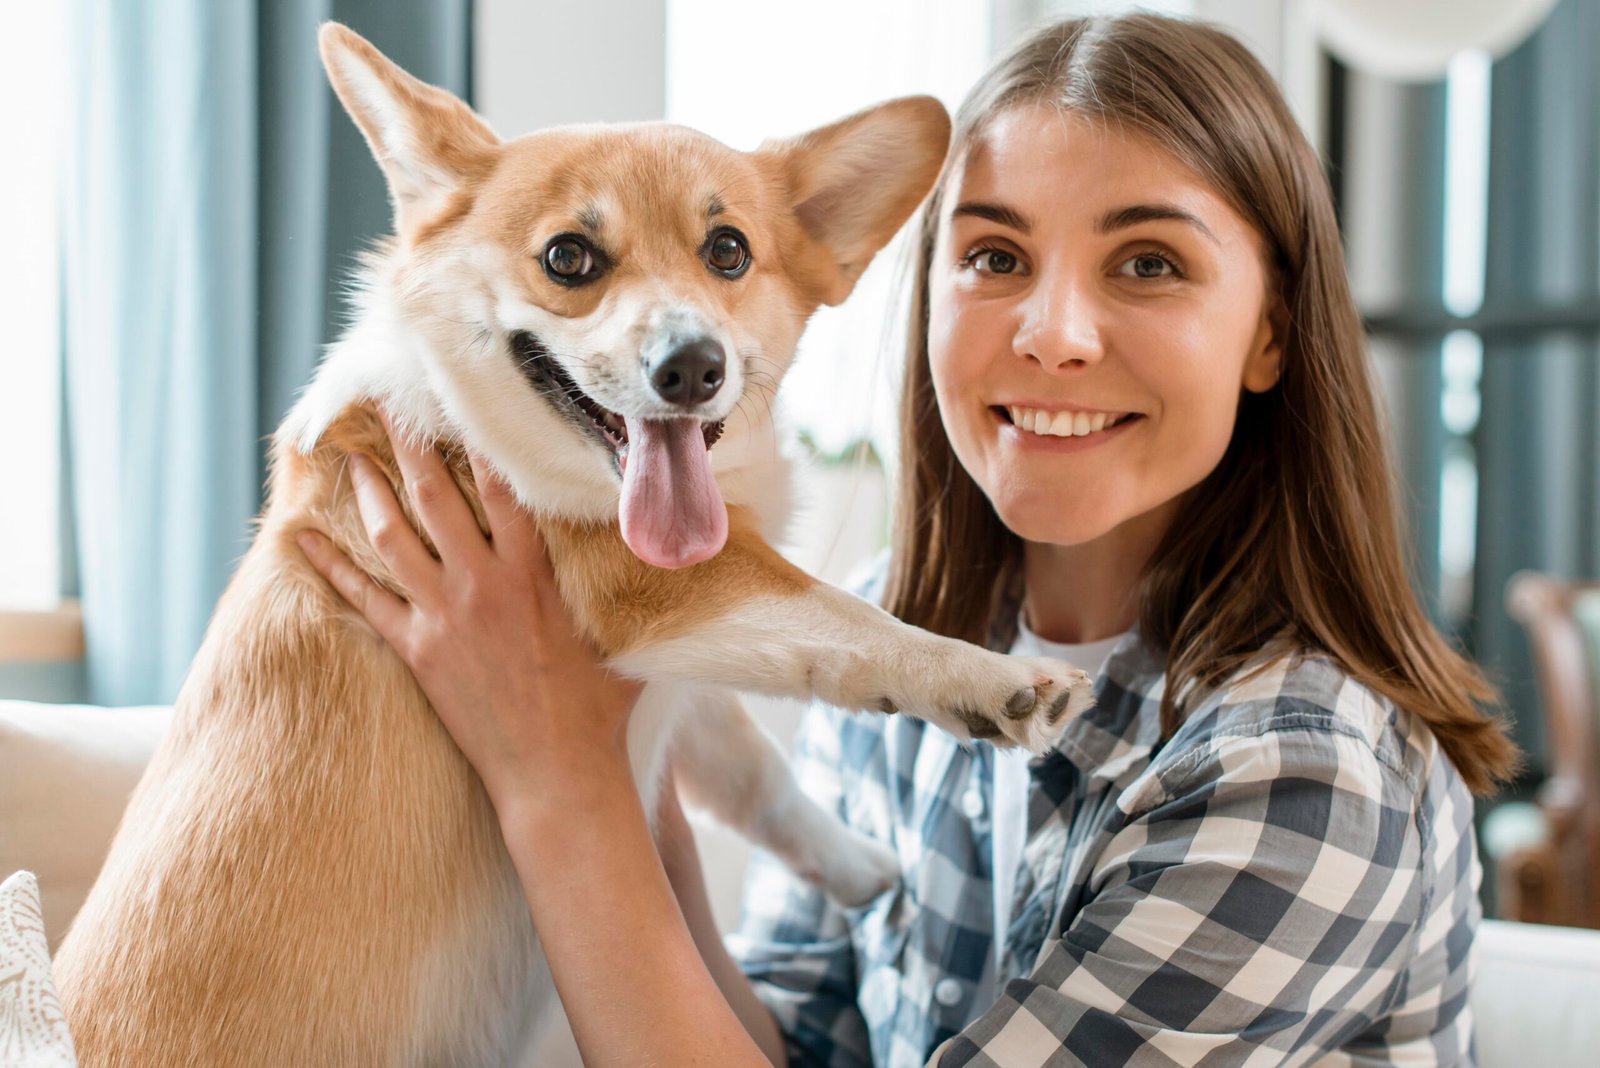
x=671, y=511
x=553, y=382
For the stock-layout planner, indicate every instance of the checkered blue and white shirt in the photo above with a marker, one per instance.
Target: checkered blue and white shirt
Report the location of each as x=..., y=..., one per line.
x=1290, y=879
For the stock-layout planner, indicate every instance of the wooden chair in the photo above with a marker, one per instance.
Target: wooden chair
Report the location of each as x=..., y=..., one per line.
x=1549, y=870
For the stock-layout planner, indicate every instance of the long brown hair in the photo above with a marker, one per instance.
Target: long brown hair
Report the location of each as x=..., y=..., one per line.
x=1296, y=531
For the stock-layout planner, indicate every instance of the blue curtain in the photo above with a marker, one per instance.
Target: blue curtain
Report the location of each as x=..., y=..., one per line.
x=214, y=195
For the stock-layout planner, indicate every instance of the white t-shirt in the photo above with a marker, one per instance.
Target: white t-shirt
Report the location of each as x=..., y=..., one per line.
x=1011, y=779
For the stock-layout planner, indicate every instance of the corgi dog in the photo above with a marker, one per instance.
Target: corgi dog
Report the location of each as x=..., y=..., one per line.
x=310, y=873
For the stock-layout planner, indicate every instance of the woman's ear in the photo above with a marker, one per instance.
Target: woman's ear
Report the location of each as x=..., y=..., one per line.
x=1264, y=366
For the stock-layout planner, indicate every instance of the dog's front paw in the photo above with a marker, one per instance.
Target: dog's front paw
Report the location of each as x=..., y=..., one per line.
x=1012, y=701
x=1034, y=715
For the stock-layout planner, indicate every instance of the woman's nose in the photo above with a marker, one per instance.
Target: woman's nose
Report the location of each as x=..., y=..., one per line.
x=1060, y=327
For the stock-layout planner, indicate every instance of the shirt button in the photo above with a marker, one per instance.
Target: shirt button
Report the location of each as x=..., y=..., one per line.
x=947, y=991
x=972, y=804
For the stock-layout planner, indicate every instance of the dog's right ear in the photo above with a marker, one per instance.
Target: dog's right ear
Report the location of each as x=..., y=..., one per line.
x=427, y=141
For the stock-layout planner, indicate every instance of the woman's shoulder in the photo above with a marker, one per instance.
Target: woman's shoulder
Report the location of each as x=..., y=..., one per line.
x=1303, y=713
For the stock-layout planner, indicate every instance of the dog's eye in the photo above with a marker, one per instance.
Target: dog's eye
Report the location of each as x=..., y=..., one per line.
x=570, y=261
x=727, y=252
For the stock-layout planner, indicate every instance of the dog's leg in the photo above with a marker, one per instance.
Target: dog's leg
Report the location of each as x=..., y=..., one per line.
x=749, y=620
x=825, y=643
x=727, y=765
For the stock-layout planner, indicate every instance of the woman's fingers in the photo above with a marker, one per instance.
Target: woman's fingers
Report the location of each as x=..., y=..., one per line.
x=511, y=526
x=396, y=544
x=517, y=539
x=442, y=510
x=388, y=614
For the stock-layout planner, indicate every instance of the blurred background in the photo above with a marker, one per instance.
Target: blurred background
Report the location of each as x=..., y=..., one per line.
x=185, y=200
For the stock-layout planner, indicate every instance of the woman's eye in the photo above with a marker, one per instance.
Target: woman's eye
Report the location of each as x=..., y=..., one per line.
x=569, y=261
x=1148, y=265
x=991, y=261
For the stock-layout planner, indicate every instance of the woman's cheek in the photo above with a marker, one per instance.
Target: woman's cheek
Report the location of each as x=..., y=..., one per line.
x=1196, y=432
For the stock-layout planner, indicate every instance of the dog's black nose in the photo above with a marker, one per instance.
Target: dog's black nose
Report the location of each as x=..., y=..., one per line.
x=691, y=373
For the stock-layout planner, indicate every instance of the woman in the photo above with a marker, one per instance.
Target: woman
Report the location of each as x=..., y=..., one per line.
x=1140, y=434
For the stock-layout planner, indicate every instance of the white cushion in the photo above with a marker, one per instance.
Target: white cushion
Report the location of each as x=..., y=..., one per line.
x=33, y=1030
x=1536, y=996
x=65, y=775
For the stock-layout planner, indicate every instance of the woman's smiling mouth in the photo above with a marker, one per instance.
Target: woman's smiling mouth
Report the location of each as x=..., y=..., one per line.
x=1065, y=423
x=1061, y=429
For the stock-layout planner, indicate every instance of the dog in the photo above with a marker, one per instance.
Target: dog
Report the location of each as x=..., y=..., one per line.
x=310, y=872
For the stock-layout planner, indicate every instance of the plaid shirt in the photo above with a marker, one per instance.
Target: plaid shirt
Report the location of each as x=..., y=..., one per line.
x=1290, y=879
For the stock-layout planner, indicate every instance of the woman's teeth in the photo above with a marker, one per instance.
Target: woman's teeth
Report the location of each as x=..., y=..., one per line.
x=1063, y=424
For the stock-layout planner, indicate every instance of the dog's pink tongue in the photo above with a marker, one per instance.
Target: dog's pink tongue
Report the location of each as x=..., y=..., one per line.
x=672, y=511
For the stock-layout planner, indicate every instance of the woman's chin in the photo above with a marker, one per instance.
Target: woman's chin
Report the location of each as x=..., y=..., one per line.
x=1057, y=522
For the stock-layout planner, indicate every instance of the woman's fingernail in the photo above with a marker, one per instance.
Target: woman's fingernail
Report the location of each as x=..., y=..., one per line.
x=308, y=542
x=360, y=466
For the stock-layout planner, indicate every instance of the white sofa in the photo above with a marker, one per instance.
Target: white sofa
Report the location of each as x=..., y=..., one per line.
x=66, y=771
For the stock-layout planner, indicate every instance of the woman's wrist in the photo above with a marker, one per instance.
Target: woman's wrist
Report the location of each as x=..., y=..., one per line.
x=537, y=800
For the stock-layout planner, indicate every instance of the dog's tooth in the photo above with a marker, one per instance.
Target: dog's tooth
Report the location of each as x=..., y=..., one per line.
x=1030, y=420
x=1014, y=412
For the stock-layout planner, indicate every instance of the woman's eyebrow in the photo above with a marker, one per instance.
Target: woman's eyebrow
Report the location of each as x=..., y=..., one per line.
x=995, y=213
x=1122, y=218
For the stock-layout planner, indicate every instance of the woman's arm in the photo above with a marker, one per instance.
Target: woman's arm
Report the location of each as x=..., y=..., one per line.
x=634, y=984
x=544, y=724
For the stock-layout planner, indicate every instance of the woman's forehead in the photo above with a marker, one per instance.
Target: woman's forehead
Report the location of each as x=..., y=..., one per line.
x=1048, y=161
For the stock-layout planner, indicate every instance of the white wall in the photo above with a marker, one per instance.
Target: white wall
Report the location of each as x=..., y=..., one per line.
x=551, y=62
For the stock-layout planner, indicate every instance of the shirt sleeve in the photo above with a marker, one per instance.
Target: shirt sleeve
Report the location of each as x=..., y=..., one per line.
x=1253, y=906
x=794, y=944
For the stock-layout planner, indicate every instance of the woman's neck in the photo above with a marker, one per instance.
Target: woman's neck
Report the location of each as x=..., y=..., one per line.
x=1083, y=593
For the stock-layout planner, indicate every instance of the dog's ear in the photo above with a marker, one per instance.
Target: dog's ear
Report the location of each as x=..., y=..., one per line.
x=428, y=142
x=854, y=183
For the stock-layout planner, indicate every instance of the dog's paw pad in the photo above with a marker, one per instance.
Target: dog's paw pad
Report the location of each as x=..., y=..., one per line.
x=1075, y=698
x=1024, y=701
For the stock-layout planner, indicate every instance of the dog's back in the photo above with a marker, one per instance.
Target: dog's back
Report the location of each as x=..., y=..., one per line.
x=309, y=861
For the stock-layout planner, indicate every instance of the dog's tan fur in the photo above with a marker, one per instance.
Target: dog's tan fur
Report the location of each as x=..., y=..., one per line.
x=310, y=873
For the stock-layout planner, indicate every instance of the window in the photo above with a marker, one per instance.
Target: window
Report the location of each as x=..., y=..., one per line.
x=32, y=100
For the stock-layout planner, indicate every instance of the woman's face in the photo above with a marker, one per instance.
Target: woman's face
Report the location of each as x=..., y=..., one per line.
x=1095, y=311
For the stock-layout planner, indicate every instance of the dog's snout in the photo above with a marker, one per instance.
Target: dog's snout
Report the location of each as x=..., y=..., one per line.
x=690, y=374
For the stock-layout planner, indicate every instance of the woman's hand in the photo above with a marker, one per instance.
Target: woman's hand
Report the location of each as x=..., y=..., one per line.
x=485, y=631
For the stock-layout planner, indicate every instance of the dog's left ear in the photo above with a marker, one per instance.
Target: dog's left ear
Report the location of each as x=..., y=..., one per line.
x=854, y=183
x=428, y=142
